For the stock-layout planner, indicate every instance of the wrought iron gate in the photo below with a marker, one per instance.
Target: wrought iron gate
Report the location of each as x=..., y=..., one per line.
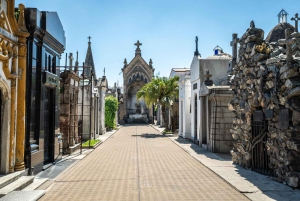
x=46, y=123
x=260, y=158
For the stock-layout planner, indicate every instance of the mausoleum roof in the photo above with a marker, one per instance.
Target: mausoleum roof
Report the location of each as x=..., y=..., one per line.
x=220, y=56
x=278, y=32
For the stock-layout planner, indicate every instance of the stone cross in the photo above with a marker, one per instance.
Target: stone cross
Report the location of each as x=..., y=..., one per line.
x=104, y=71
x=233, y=43
x=138, y=44
x=296, y=18
x=207, y=75
x=89, y=39
x=196, y=41
x=288, y=41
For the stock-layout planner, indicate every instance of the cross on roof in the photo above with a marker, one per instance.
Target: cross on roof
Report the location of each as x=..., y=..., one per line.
x=296, y=18
x=288, y=41
x=138, y=44
x=89, y=39
x=207, y=75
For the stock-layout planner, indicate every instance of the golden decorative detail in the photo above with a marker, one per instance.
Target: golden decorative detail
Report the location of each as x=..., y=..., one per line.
x=22, y=51
x=263, y=48
x=13, y=83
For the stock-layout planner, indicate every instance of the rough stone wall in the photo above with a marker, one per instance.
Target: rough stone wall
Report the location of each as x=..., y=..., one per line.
x=266, y=78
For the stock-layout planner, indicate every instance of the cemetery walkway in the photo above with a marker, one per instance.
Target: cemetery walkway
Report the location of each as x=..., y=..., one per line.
x=138, y=163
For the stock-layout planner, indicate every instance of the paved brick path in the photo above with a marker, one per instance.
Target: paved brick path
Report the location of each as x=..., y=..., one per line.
x=137, y=163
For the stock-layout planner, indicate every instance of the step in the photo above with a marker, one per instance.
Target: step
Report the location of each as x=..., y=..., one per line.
x=35, y=184
x=23, y=195
x=9, y=178
x=19, y=184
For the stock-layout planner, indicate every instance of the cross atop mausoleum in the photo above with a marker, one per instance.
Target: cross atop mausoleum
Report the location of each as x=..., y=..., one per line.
x=196, y=53
x=288, y=41
x=138, y=44
x=234, y=43
x=296, y=18
x=138, y=50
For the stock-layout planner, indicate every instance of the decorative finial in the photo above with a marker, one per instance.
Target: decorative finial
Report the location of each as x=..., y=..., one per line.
x=89, y=39
x=296, y=18
x=125, y=62
x=252, y=25
x=208, y=82
x=150, y=62
x=207, y=75
x=138, y=50
x=282, y=16
x=196, y=53
x=104, y=71
x=138, y=44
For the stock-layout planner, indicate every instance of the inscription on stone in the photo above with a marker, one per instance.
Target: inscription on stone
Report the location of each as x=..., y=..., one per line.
x=284, y=119
x=195, y=86
x=258, y=115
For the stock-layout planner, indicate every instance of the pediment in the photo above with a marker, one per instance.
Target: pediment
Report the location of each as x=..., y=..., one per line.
x=4, y=22
x=138, y=64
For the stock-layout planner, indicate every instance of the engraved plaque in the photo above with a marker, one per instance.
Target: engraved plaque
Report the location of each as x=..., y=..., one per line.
x=195, y=86
x=258, y=115
x=284, y=119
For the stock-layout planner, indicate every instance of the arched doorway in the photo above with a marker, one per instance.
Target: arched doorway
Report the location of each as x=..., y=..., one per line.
x=137, y=110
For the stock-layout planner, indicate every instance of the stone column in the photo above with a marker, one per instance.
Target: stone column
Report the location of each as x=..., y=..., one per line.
x=12, y=117
x=21, y=101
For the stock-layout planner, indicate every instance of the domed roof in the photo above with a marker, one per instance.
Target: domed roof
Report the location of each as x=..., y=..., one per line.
x=220, y=56
x=278, y=32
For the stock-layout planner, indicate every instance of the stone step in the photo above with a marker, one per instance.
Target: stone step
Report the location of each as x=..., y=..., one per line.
x=17, y=185
x=9, y=178
x=35, y=184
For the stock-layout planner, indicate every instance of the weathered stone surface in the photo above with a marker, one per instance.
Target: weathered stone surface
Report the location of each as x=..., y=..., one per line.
x=284, y=119
x=292, y=82
x=289, y=73
x=296, y=117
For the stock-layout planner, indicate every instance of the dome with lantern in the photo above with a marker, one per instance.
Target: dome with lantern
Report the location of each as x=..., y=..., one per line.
x=278, y=32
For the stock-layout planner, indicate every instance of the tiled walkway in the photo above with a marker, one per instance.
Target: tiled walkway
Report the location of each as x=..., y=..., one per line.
x=138, y=163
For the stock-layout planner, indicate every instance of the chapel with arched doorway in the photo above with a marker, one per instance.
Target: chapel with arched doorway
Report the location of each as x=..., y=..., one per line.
x=136, y=74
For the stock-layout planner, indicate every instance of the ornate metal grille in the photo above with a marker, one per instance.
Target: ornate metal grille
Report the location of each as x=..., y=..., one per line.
x=260, y=158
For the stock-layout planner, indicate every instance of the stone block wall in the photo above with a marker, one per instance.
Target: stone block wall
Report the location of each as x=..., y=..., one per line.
x=266, y=78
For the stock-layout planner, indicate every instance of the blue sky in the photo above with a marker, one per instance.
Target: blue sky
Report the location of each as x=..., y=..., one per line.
x=167, y=29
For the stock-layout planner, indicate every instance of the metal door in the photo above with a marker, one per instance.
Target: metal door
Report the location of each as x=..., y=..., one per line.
x=46, y=123
x=260, y=158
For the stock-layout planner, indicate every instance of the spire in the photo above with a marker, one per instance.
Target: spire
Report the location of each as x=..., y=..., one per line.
x=282, y=16
x=76, y=63
x=89, y=61
x=150, y=63
x=138, y=50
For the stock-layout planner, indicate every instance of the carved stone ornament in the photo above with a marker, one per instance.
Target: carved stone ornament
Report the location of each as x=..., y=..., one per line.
x=20, y=71
x=13, y=83
x=22, y=50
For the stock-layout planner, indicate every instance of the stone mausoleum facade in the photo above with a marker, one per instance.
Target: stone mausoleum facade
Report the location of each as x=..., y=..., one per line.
x=266, y=102
x=135, y=75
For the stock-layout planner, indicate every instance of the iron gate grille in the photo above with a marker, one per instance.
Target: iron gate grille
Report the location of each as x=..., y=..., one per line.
x=260, y=158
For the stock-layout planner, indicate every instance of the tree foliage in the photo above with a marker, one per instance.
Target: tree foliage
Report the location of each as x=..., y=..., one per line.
x=111, y=106
x=162, y=91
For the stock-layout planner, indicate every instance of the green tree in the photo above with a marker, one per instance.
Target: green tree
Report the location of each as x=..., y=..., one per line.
x=111, y=106
x=160, y=91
